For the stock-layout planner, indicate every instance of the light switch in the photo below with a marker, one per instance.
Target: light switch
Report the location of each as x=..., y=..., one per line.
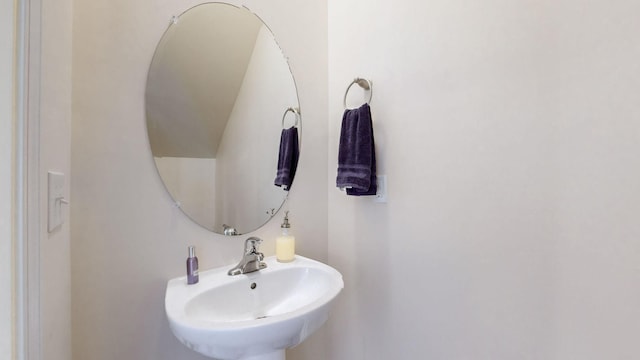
x=56, y=199
x=381, y=192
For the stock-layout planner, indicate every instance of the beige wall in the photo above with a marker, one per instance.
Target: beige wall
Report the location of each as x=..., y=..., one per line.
x=55, y=143
x=128, y=239
x=510, y=136
x=7, y=52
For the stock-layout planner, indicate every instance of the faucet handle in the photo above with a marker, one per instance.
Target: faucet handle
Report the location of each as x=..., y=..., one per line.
x=251, y=245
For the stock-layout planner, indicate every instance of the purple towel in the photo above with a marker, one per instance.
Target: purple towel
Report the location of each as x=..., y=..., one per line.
x=356, y=153
x=287, y=158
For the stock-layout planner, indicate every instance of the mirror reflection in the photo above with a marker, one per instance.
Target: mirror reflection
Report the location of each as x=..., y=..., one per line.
x=217, y=88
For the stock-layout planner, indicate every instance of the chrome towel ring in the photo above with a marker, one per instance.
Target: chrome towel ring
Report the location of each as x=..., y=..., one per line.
x=363, y=83
x=295, y=112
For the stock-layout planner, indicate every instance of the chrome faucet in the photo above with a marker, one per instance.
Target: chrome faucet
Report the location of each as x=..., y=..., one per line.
x=252, y=258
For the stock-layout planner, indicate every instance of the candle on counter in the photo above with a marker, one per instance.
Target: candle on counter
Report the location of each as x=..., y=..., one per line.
x=285, y=243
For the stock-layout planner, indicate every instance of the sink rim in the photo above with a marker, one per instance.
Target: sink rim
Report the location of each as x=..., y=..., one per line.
x=179, y=294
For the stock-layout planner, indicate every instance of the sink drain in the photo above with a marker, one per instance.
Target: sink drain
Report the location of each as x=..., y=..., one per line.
x=253, y=286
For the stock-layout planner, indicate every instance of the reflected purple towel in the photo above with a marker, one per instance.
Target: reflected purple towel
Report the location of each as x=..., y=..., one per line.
x=287, y=158
x=356, y=153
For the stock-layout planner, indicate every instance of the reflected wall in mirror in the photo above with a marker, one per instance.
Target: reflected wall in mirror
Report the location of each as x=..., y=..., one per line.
x=217, y=87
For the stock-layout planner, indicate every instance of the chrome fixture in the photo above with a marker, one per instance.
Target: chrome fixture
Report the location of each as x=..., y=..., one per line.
x=364, y=84
x=252, y=258
x=295, y=112
x=229, y=230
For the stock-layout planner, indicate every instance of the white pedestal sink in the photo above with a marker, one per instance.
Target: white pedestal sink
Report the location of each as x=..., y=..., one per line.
x=254, y=316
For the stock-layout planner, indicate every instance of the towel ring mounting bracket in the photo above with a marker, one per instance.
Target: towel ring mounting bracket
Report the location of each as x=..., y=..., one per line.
x=364, y=84
x=295, y=112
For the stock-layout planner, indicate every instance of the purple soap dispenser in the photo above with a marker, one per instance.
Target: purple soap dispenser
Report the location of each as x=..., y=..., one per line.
x=192, y=266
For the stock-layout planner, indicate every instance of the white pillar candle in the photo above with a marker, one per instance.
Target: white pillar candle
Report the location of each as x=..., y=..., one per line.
x=285, y=247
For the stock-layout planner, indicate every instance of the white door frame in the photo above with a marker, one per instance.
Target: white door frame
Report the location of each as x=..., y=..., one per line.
x=27, y=181
x=7, y=176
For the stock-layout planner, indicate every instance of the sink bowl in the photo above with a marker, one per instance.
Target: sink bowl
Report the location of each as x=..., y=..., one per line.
x=252, y=316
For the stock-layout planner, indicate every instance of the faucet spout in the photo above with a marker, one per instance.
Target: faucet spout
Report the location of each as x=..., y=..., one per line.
x=251, y=260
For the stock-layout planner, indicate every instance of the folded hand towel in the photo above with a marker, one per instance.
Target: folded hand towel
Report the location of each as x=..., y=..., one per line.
x=287, y=158
x=356, y=153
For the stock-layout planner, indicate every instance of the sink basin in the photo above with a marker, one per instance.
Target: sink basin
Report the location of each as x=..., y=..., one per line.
x=252, y=316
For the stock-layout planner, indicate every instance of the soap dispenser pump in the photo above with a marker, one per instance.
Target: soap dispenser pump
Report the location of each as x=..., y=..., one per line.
x=285, y=243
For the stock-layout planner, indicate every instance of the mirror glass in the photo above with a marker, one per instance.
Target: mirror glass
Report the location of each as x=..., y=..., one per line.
x=217, y=93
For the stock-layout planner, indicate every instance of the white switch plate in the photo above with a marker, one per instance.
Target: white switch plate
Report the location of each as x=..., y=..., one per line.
x=56, y=199
x=381, y=192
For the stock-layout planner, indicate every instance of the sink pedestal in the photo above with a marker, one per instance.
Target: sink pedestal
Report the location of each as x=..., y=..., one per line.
x=276, y=355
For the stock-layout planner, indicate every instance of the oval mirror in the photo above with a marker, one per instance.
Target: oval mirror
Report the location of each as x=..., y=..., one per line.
x=217, y=95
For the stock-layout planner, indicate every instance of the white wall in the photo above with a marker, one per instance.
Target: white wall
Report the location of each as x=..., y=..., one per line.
x=7, y=53
x=509, y=133
x=128, y=239
x=192, y=182
x=55, y=143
